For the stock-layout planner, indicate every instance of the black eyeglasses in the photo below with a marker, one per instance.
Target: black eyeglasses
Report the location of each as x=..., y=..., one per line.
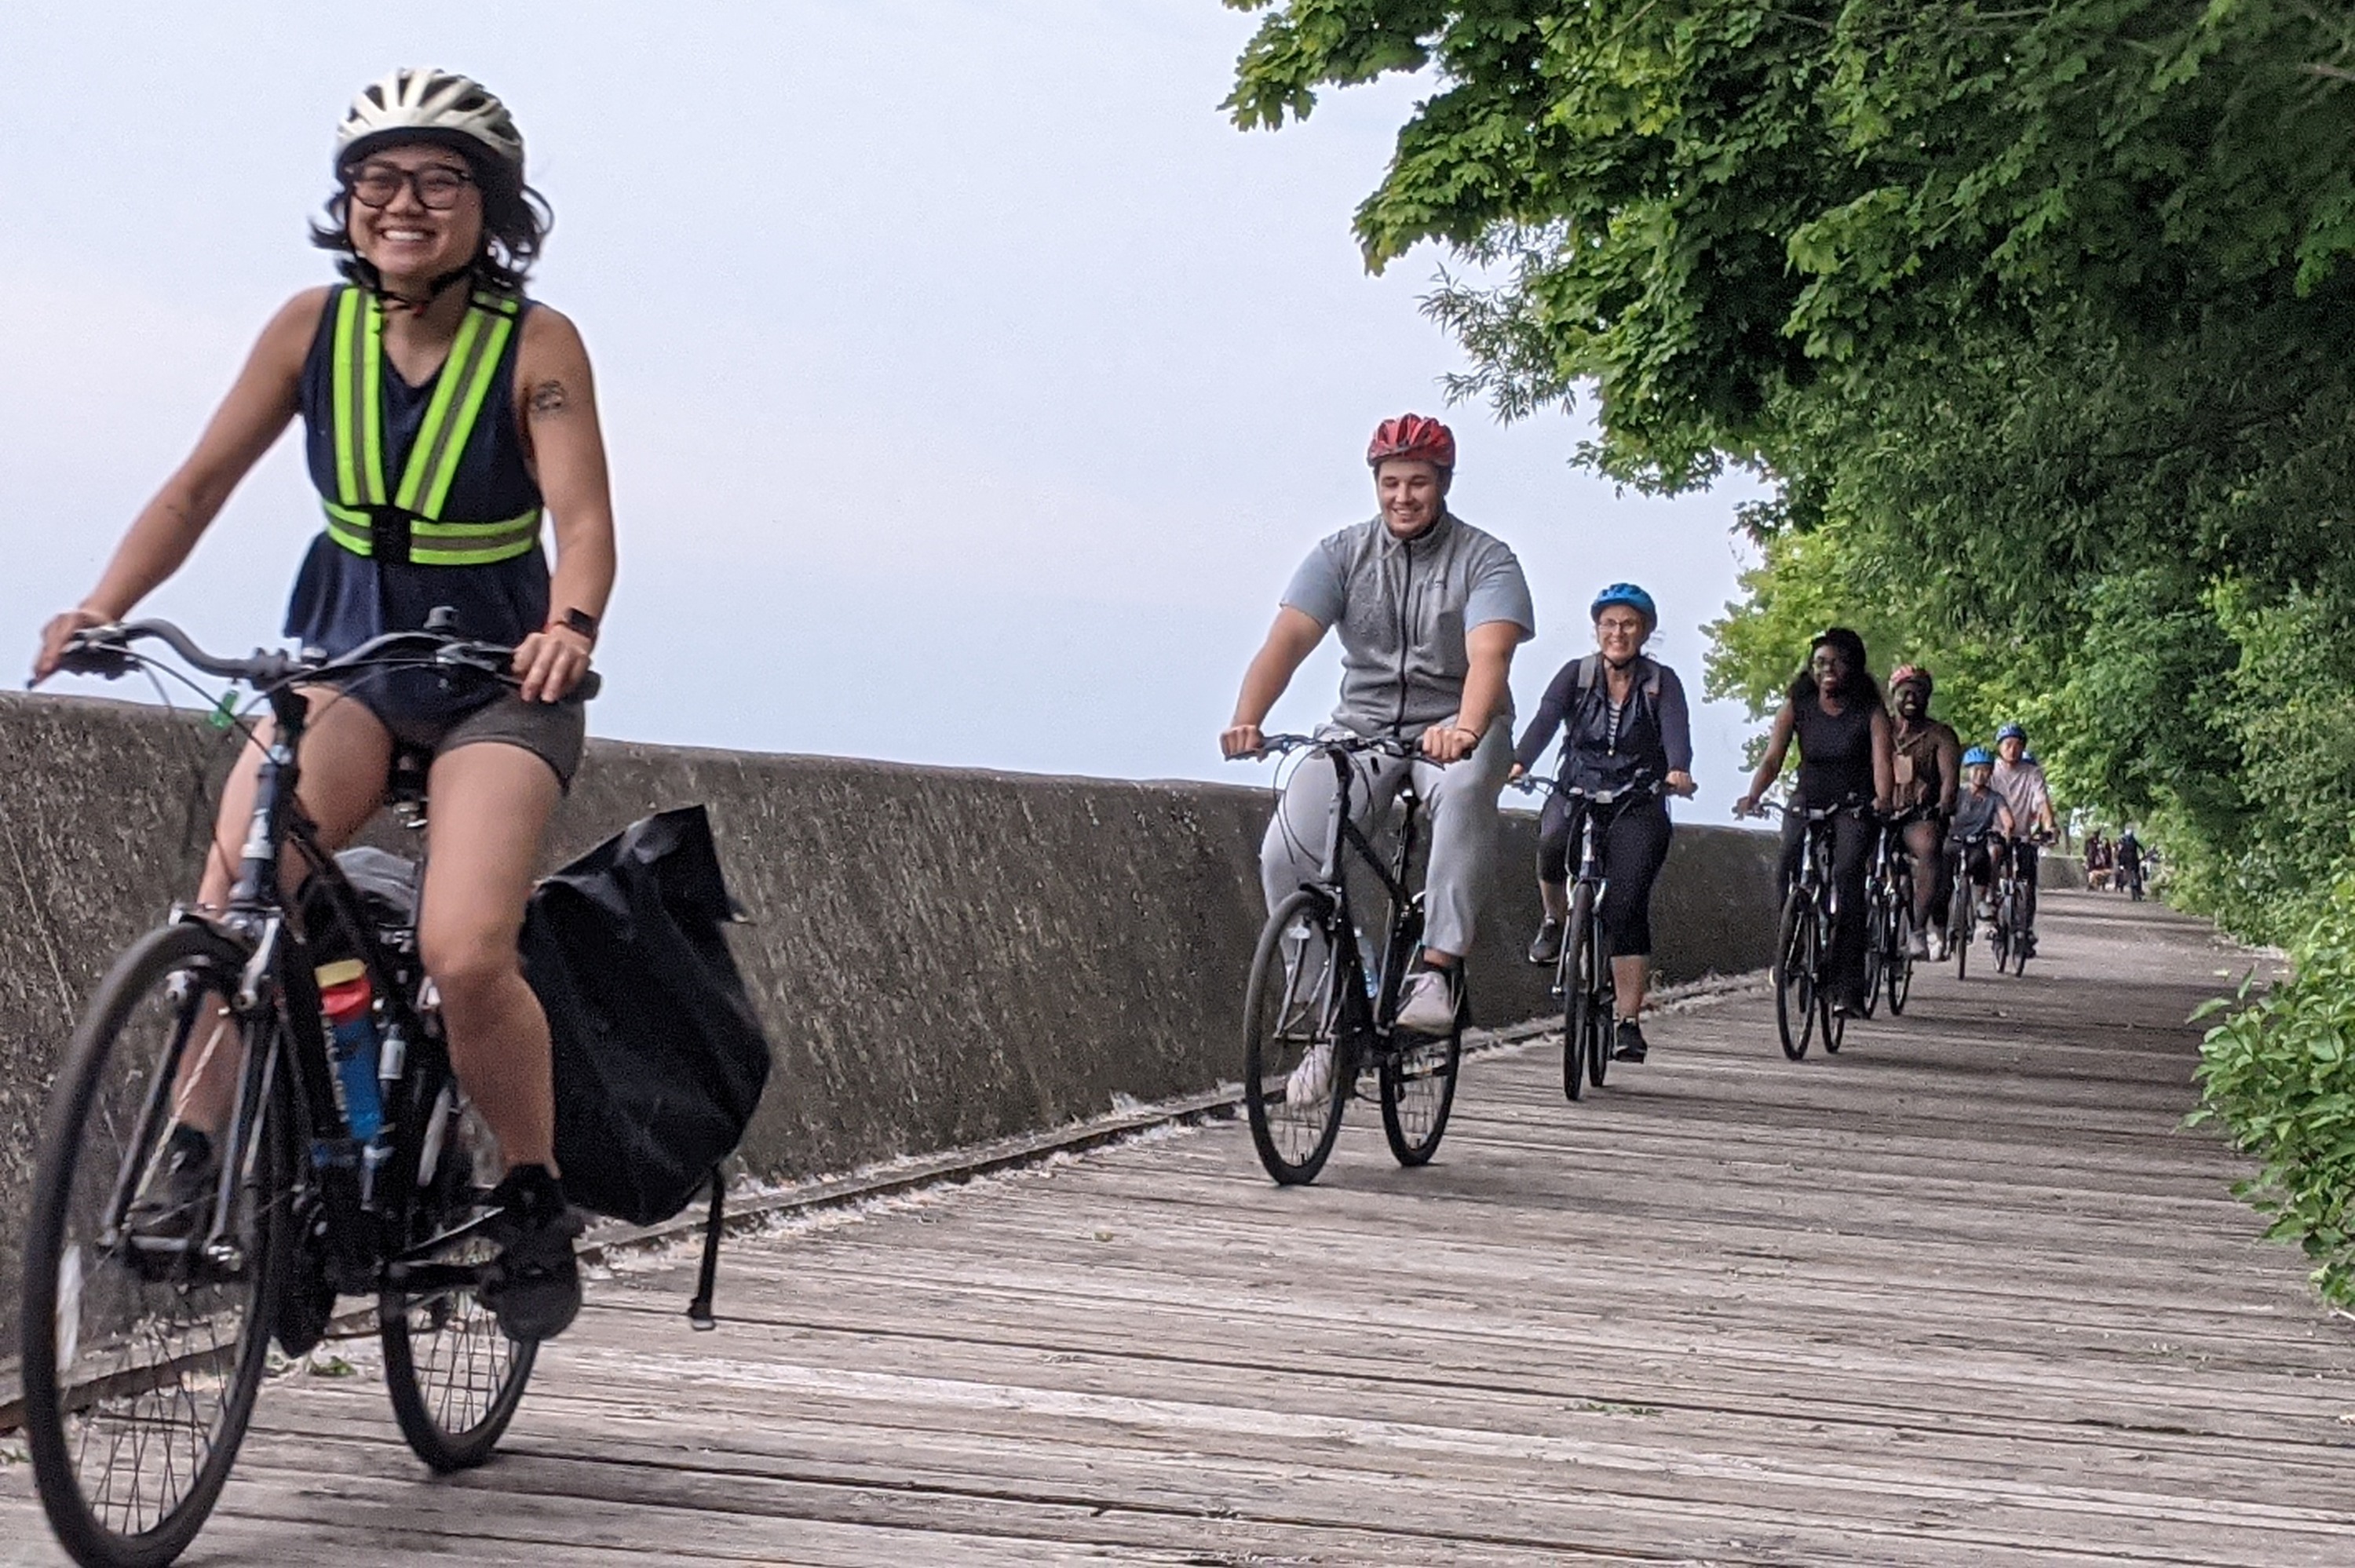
x=437, y=185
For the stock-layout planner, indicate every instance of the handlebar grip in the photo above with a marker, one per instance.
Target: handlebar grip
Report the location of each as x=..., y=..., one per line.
x=588, y=686
x=102, y=659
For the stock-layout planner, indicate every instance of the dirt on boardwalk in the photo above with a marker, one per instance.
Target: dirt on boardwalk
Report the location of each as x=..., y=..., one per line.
x=1965, y=1294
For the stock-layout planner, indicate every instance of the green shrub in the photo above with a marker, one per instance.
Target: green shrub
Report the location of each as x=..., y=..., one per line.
x=2280, y=1074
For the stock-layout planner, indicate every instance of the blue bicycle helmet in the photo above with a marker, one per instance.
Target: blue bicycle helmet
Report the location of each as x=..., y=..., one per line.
x=1631, y=596
x=1978, y=757
x=2010, y=732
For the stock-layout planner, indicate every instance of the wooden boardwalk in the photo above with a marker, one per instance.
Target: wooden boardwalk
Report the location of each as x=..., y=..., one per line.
x=1963, y=1295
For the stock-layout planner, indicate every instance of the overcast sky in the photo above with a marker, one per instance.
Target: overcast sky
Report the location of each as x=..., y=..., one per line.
x=971, y=385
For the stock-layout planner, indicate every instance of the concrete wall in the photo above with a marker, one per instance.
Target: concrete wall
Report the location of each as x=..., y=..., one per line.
x=942, y=956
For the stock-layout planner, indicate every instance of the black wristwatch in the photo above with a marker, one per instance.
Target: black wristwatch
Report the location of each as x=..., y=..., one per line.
x=581, y=621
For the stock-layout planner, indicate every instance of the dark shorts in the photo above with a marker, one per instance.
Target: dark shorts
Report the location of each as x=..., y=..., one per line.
x=553, y=732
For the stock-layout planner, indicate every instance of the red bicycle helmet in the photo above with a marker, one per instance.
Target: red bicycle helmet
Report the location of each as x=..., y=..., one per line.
x=1413, y=437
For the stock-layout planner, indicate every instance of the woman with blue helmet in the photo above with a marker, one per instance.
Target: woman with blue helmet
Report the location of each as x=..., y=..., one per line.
x=1624, y=720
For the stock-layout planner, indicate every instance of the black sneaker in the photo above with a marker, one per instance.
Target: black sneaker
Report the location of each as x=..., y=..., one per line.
x=534, y=1285
x=1629, y=1045
x=175, y=1202
x=1545, y=947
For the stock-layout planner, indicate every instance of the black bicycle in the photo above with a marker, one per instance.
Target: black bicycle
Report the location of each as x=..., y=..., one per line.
x=149, y=1297
x=1803, y=938
x=1582, y=974
x=1962, y=906
x=1320, y=1008
x=2013, y=935
x=1888, y=916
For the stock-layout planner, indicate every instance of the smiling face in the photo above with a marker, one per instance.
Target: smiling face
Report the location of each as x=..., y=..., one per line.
x=1412, y=495
x=1620, y=632
x=405, y=240
x=1830, y=668
x=1912, y=702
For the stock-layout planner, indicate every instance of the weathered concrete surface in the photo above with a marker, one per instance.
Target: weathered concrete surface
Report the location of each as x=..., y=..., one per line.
x=1966, y=1295
x=942, y=955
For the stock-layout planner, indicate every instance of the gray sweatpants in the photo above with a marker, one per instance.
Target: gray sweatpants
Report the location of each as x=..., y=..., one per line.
x=1461, y=802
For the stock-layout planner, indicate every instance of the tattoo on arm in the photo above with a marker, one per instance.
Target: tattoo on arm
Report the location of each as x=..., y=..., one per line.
x=549, y=398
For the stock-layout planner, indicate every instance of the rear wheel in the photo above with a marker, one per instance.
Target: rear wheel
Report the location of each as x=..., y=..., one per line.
x=1577, y=992
x=1418, y=1088
x=143, y=1349
x=454, y=1376
x=1794, y=975
x=1900, y=973
x=1298, y=1067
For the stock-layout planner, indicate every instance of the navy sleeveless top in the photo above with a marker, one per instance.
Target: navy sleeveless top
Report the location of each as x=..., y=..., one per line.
x=1835, y=753
x=342, y=599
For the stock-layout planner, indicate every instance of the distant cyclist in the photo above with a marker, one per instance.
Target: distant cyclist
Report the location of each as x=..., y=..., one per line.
x=1927, y=756
x=1430, y=610
x=1622, y=717
x=2130, y=857
x=1834, y=710
x=1983, y=821
x=2020, y=778
x=444, y=415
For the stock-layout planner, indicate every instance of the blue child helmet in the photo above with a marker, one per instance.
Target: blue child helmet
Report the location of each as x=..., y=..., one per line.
x=2010, y=732
x=1631, y=596
x=1978, y=757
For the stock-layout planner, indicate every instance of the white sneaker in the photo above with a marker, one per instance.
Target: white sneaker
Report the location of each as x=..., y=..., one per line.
x=1428, y=1005
x=1920, y=946
x=1312, y=1081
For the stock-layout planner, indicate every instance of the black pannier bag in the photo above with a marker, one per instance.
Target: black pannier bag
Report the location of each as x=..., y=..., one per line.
x=660, y=1059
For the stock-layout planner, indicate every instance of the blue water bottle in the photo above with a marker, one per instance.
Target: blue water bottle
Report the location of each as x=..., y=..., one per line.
x=348, y=999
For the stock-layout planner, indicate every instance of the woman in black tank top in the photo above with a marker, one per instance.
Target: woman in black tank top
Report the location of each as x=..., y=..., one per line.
x=1835, y=710
x=435, y=226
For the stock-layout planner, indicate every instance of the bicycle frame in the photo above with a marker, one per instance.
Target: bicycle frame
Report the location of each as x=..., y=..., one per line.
x=1360, y=1011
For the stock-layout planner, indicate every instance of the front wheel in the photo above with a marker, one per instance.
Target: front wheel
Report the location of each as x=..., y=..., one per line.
x=1300, y=1065
x=1577, y=981
x=142, y=1342
x=1878, y=922
x=1794, y=975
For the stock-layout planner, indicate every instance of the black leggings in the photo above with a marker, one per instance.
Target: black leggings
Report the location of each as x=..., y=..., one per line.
x=1852, y=861
x=1633, y=846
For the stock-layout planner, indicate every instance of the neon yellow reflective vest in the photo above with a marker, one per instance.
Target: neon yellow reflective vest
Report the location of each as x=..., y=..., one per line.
x=407, y=524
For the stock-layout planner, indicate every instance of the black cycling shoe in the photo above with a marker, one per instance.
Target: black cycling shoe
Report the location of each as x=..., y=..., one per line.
x=175, y=1202
x=1545, y=947
x=1628, y=1045
x=533, y=1286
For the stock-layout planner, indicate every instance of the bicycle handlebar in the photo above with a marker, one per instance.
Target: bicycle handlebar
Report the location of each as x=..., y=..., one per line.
x=105, y=652
x=1277, y=745
x=1529, y=783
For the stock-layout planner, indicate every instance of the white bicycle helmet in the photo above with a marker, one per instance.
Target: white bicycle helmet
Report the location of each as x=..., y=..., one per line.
x=425, y=102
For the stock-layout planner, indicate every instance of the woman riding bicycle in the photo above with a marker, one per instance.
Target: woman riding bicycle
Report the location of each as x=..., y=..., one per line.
x=443, y=411
x=1835, y=709
x=1625, y=721
x=1927, y=757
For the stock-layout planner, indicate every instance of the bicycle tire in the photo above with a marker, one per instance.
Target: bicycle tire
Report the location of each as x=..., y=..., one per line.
x=1415, y=1118
x=1603, y=1008
x=1577, y=992
x=1958, y=923
x=1900, y=973
x=453, y=1376
x=2019, y=931
x=109, y=1349
x=1832, y=1024
x=1876, y=955
x=1284, y=1007
x=1795, y=1000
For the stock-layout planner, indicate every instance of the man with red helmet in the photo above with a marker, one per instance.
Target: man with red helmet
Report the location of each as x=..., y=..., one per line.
x=1927, y=756
x=1429, y=610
